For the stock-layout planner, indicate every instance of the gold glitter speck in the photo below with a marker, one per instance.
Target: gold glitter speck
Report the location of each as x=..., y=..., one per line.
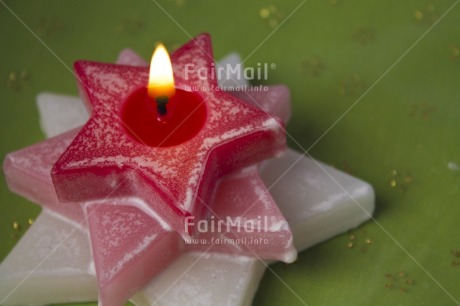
x=352, y=86
x=422, y=110
x=16, y=226
x=313, y=67
x=360, y=240
x=399, y=281
x=272, y=8
x=264, y=13
x=393, y=183
x=363, y=35
x=403, y=180
x=18, y=80
x=13, y=76
x=418, y=15
x=273, y=23
x=271, y=15
x=426, y=15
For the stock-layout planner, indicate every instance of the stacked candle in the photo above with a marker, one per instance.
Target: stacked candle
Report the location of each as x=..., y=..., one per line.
x=140, y=199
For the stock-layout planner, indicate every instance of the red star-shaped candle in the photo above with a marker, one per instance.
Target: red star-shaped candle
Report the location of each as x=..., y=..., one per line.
x=104, y=160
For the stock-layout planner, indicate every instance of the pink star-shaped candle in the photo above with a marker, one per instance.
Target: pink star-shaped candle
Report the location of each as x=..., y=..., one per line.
x=134, y=234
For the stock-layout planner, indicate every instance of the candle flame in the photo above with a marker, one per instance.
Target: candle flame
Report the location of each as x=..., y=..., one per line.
x=161, y=79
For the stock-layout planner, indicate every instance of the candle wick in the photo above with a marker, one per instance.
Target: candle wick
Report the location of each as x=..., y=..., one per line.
x=161, y=105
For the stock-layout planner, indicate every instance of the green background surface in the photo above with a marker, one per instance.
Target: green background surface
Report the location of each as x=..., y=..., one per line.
x=375, y=92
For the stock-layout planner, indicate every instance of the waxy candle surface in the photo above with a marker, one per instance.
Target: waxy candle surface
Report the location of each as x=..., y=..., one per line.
x=240, y=273
x=119, y=261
